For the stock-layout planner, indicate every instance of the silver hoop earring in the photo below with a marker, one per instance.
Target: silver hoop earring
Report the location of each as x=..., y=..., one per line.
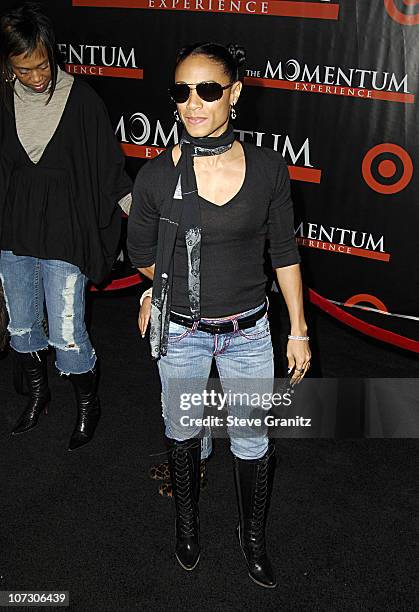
x=176, y=114
x=11, y=79
x=233, y=113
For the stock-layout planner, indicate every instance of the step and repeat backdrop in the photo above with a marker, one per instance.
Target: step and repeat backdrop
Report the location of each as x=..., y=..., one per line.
x=331, y=84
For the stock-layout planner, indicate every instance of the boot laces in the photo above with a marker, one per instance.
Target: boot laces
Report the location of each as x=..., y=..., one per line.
x=257, y=542
x=186, y=522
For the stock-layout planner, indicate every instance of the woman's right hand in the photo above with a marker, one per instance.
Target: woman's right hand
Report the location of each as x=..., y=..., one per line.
x=144, y=316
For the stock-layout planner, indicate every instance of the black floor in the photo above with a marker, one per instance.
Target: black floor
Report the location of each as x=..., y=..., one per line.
x=343, y=524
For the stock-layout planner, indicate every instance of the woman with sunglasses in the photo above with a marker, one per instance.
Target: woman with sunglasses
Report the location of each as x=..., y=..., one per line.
x=202, y=212
x=62, y=177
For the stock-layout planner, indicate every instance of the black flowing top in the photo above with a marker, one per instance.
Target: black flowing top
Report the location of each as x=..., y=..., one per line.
x=65, y=206
x=233, y=235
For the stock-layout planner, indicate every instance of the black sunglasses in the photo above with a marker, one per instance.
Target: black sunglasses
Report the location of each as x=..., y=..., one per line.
x=209, y=91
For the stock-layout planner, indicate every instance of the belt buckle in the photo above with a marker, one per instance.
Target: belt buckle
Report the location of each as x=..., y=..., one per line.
x=227, y=328
x=217, y=329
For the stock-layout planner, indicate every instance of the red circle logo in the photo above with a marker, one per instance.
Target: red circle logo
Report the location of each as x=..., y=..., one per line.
x=387, y=169
x=368, y=299
x=410, y=18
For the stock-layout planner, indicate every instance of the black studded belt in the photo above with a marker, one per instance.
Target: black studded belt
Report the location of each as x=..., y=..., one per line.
x=224, y=327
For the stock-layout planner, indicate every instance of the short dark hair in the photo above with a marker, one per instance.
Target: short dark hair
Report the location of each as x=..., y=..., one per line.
x=231, y=57
x=22, y=30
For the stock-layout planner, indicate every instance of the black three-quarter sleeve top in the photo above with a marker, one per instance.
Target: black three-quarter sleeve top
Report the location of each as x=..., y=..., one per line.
x=233, y=235
x=65, y=206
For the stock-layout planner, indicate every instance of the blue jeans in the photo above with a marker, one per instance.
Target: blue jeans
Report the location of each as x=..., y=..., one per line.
x=28, y=283
x=244, y=361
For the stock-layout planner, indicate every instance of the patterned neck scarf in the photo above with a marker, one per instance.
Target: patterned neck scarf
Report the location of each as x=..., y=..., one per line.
x=182, y=205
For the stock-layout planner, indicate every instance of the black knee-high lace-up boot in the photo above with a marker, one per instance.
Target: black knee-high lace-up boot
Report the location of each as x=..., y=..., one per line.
x=34, y=368
x=253, y=480
x=184, y=465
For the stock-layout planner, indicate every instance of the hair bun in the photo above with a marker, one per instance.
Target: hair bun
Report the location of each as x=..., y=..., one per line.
x=238, y=53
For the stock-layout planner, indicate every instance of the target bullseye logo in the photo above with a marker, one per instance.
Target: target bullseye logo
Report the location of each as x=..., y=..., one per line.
x=396, y=8
x=387, y=168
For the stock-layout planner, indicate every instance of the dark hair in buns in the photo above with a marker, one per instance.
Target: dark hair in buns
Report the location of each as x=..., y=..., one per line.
x=231, y=57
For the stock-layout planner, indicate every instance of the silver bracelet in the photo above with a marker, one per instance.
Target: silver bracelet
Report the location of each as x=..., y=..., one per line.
x=291, y=337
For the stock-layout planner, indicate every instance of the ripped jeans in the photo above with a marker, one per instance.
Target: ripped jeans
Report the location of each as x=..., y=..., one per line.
x=28, y=284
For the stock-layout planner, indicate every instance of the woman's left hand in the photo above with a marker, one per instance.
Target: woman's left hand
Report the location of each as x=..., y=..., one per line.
x=298, y=355
x=144, y=315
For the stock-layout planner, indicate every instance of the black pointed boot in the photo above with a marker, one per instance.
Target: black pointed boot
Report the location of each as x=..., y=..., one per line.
x=88, y=406
x=253, y=480
x=34, y=368
x=184, y=466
